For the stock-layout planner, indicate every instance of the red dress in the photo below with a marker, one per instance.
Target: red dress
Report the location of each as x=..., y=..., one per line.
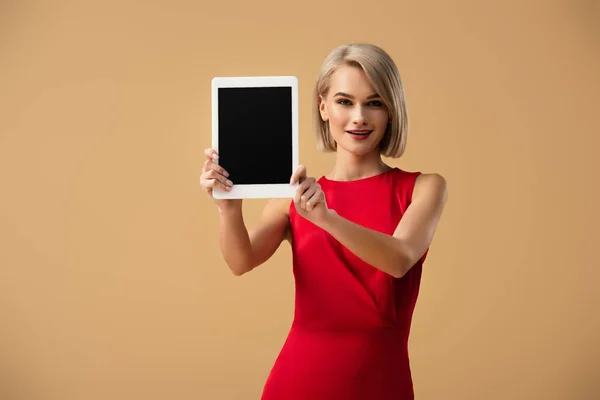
x=349, y=337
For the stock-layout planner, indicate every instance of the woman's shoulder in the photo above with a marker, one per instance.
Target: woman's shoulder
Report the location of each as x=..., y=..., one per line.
x=432, y=179
x=410, y=185
x=419, y=177
x=279, y=206
x=431, y=185
x=277, y=213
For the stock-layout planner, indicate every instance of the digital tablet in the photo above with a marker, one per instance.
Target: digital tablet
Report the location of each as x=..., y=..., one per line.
x=255, y=133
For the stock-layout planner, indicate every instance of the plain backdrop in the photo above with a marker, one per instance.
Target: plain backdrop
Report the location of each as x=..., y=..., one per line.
x=112, y=285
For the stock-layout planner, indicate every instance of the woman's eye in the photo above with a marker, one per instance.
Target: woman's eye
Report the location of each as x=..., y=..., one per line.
x=374, y=103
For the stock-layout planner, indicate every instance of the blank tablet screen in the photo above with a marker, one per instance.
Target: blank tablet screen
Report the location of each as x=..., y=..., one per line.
x=255, y=134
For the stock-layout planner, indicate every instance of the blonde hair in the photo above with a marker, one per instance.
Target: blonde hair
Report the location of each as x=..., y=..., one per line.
x=385, y=79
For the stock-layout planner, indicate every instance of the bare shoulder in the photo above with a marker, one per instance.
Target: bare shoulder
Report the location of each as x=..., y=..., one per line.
x=277, y=211
x=431, y=186
x=278, y=206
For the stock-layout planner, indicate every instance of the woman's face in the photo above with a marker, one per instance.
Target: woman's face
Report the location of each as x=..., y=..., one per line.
x=356, y=115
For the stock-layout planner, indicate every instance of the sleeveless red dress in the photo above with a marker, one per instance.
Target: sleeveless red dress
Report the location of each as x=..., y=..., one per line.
x=349, y=336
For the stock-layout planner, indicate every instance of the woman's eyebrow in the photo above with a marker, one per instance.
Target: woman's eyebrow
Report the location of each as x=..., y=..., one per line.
x=373, y=96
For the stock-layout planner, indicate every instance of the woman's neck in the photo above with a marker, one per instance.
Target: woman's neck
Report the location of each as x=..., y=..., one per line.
x=349, y=167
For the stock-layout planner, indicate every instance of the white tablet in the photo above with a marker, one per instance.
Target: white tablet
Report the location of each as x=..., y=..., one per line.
x=255, y=132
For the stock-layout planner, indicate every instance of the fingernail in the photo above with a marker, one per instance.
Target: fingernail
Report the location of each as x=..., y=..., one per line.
x=225, y=173
x=215, y=156
x=229, y=182
x=228, y=187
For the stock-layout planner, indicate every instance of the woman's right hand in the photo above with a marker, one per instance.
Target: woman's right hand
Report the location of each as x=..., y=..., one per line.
x=215, y=176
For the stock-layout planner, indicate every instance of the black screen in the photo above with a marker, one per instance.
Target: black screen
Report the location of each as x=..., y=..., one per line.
x=255, y=134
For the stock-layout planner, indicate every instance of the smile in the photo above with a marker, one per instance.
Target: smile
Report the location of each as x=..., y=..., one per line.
x=360, y=132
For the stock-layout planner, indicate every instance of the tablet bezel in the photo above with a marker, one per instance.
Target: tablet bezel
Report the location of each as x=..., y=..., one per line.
x=256, y=191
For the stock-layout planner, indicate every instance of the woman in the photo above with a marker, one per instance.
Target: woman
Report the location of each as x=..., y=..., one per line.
x=359, y=238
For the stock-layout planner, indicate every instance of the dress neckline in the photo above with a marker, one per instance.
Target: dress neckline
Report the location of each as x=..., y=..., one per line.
x=380, y=175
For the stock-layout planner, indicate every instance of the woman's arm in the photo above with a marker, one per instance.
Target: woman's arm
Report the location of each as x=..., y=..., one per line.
x=395, y=254
x=243, y=250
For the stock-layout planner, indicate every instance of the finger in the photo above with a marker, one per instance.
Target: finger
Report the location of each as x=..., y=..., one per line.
x=211, y=154
x=203, y=185
x=308, y=195
x=213, y=179
x=301, y=189
x=214, y=184
x=206, y=184
x=298, y=175
x=210, y=165
x=213, y=174
x=317, y=198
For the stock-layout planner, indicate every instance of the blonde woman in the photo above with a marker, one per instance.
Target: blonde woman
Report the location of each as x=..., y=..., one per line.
x=359, y=237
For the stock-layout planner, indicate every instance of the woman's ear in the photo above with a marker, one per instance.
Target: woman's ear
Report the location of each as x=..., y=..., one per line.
x=323, y=109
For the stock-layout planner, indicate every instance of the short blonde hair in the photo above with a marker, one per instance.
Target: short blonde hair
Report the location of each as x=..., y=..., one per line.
x=385, y=79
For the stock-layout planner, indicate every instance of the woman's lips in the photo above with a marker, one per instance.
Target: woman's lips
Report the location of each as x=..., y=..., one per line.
x=359, y=134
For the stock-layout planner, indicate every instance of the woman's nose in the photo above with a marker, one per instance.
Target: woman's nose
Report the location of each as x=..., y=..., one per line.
x=359, y=117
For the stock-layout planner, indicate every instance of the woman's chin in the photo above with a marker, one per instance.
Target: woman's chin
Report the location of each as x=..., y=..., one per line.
x=358, y=149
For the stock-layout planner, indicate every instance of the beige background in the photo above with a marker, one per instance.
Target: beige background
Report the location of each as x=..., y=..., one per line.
x=111, y=282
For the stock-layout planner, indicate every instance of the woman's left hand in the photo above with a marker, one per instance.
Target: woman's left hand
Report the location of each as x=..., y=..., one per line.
x=309, y=199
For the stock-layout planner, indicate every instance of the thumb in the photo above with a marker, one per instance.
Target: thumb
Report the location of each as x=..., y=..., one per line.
x=299, y=174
